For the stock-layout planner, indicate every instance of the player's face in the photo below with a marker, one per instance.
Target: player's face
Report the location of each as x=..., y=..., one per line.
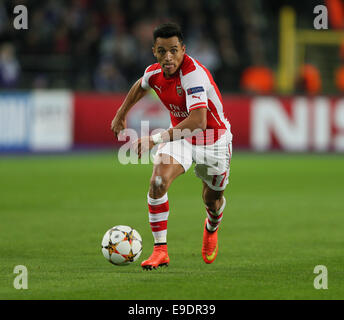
x=169, y=53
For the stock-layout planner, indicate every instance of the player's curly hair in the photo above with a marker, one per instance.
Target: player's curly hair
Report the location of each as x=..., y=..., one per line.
x=168, y=30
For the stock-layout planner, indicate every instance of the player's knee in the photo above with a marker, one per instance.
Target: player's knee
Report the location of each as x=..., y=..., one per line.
x=213, y=203
x=158, y=186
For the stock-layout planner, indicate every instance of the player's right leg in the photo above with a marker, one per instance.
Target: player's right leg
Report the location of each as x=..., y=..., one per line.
x=166, y=169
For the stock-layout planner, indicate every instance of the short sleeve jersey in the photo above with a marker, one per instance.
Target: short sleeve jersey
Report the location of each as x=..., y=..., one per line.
x=191, y=87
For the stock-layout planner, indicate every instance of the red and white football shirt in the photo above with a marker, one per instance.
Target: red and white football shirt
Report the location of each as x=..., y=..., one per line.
x=190, y=88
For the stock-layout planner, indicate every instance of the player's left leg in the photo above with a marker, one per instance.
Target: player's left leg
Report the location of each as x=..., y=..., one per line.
x=213, y=169
x=215, y=203
x=213, y=199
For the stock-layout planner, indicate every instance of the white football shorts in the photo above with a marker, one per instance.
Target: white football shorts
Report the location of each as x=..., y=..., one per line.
x=212, y=162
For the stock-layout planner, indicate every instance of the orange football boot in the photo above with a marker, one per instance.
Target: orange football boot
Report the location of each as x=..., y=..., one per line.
x=210, y=246
x=158, y=258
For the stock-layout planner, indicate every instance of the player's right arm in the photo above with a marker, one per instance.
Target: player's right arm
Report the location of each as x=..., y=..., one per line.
x=135, y=93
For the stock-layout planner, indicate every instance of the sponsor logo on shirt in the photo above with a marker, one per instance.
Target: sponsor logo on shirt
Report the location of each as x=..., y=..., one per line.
x=177, y=112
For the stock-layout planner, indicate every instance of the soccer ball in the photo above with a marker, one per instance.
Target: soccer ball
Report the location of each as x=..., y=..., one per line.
x=122, y=245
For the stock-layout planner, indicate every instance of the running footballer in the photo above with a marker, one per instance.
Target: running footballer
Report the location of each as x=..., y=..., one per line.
x=199, y=133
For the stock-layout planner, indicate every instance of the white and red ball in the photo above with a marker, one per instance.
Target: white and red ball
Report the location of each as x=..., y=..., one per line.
x=122, y=245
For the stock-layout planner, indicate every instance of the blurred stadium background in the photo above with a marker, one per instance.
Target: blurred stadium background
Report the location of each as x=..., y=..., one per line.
x=63, y=78
x=104, y=45
x=61, y=82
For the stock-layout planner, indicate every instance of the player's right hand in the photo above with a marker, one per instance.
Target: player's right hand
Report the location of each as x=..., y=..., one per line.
x=118, y=124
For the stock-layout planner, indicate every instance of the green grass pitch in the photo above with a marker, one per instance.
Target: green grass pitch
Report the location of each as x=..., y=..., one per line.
x=285, y=215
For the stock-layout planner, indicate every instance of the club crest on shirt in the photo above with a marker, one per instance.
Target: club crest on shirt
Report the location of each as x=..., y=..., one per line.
x=179, y=90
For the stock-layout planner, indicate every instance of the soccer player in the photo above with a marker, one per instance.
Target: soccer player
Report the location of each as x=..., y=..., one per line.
x=199, y=133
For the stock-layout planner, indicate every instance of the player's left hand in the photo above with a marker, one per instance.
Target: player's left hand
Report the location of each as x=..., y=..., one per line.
x=142, y=145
